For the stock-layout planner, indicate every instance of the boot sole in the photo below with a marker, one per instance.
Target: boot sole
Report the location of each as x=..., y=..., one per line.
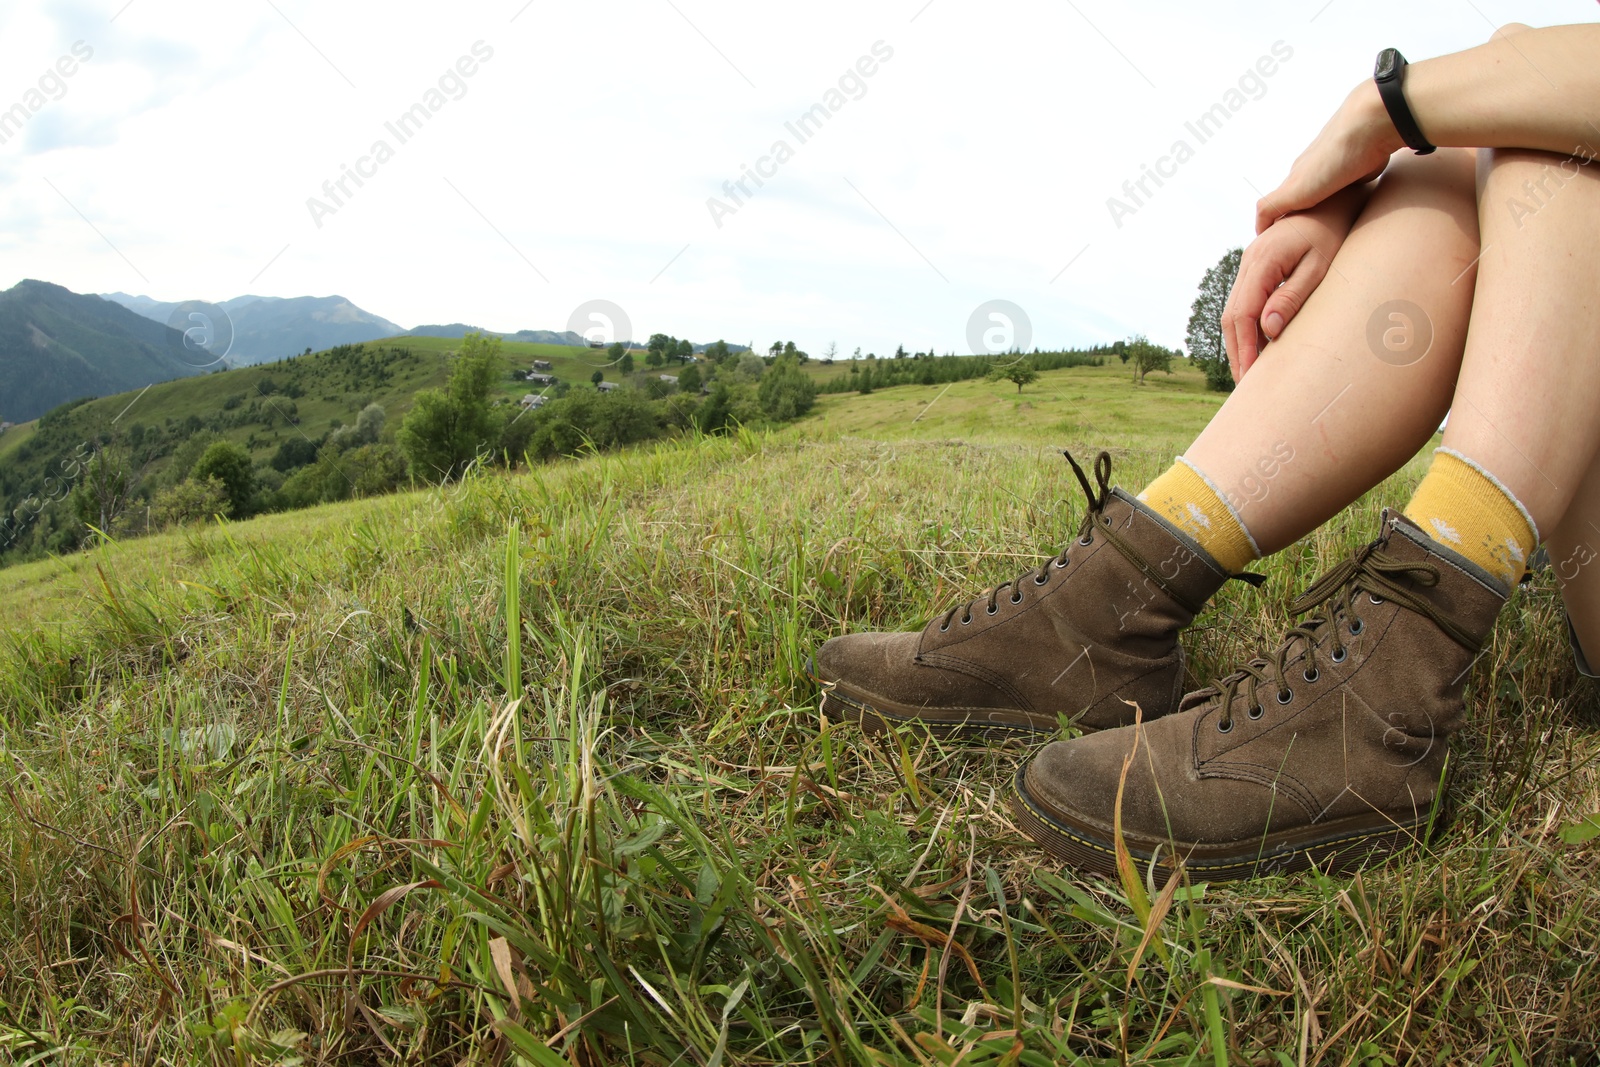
x=976, y=725
x=1338, y=845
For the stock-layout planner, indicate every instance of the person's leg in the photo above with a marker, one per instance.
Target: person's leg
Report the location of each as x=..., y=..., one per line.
x=1525, y=405
x=1334, y=746
x=1362, y=376
x=1574, y=547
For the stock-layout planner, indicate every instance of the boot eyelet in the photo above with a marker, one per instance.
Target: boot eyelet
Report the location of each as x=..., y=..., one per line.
x=993, y=609
x=1041, y=580
x=1061, y=562
x=1341, y=655
x=1016, y=598
x=945, y=628
x=967, y=621
x=1356, y=626
x=1285, y=697
x=1375, y=599
x=1311, y=675
x=1086, y=539
x=1224, y=726
x=1256, y=711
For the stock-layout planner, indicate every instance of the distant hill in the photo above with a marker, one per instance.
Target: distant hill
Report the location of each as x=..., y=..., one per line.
x=57, y=345
x=270, y=327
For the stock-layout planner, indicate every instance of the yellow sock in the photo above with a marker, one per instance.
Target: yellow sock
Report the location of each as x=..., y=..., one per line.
x=1184, y=497
x=1464, y=507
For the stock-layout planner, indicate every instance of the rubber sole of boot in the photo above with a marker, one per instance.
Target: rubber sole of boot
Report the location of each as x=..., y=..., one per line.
x=877, y=715
x=1337, y=845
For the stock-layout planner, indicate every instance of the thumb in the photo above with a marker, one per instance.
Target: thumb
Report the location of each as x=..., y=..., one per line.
x=1287, y=300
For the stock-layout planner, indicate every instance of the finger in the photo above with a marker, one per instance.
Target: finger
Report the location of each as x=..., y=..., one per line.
x=1285, y=302
x=1251, y=290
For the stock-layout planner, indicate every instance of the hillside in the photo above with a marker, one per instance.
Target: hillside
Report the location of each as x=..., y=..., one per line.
x=57, y=345
x=357, y=770
x=269, y=327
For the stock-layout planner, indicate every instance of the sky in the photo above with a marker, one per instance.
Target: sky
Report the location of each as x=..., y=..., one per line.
x=958, y=152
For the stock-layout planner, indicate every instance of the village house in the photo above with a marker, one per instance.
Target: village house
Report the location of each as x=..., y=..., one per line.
x=608, y=387
x=542, y=379
x=534, y=400
x=670, y=379
x=541, y=364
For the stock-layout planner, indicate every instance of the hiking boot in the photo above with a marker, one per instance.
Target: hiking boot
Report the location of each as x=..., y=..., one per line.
x=1077, y=638
x=1331, y=750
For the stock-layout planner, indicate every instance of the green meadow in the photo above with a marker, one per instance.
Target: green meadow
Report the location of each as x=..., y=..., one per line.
x=527, y=769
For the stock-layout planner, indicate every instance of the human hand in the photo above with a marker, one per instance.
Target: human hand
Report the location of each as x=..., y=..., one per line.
x=1279, y=272
x=1352, y=148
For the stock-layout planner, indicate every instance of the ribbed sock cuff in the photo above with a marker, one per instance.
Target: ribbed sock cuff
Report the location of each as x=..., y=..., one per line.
x=1463, y=506
x=1185, y=497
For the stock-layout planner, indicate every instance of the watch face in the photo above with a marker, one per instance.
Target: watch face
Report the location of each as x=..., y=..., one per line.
x=1388, y=64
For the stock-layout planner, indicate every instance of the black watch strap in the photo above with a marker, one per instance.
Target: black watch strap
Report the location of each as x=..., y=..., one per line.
x=1390, y=74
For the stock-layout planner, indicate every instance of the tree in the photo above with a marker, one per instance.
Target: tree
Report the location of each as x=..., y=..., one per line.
x=718, y=352
x=786, y=392
x=658, y=345
x=653, y=358
x=830, y=353
x=899, y=351
x=689, y=379
x=186, y=502
x=1020, y=372
x=1205, y=321
x=684, y=351
x=617, y=351
x=1147, y=357
x=228, y=464
x=625, y=364
x=445, y=431
x=597, y=377
x=105, y=488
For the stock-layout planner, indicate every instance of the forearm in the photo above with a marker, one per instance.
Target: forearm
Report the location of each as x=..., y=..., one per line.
x=1539, y=90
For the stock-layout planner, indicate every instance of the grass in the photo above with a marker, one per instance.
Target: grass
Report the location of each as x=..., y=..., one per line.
x=527, y=770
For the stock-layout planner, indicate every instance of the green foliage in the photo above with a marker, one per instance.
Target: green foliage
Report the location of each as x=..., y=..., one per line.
x=689, y=380
x=229, y=465
x=1204, y=336
x=866, y=374
x=1018, y=371
x=786, y=392
x=191, y=501
x=105, y=488
x=625, y=363
x=445, y=431
x=1148, y=356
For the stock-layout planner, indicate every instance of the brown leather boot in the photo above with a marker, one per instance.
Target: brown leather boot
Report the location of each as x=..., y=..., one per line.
x=1327, y=752
x=1077, y=637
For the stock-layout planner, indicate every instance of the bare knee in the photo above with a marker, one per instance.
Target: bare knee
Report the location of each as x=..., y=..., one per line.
x=1510, y=29
x=1445, y=178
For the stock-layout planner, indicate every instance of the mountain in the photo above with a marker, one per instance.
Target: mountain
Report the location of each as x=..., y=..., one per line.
x=458, y=330
x=270, y=327
x=57, y=345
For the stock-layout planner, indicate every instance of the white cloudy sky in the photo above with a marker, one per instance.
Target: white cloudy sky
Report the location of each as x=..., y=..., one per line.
x=578, y=163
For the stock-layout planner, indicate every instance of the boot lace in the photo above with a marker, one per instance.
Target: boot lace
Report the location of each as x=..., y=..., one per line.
x=1095, y=523
x=1370, y=570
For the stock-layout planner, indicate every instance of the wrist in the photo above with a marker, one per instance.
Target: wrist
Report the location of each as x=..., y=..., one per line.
x=1372, y=119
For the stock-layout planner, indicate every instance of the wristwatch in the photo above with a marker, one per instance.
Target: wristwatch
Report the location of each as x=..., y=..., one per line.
x=1390, y=74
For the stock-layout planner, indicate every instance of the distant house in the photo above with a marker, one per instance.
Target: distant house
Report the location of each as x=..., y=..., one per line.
x=670, y=379
x=597, y=344
x=608, y=387
x=541, y=364
x=4, y=426
x=542, y=379
x=534, y=400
